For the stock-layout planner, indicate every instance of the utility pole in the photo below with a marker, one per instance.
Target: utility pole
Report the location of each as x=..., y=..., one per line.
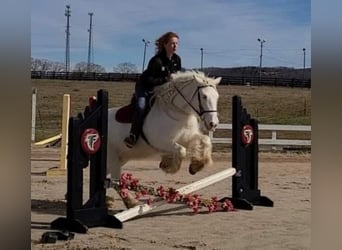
x=201, y=59
x=145, y=45
x=67, y=47
x=304, y=64
x=260, y=66
x=90, y=41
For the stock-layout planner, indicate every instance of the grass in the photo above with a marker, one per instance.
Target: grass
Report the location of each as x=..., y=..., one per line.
x=270, y=105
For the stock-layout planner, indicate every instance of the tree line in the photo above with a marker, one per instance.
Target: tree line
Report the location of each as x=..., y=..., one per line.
x=48, y=65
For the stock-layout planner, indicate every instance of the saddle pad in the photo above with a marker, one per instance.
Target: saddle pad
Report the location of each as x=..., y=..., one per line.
x=125, y=114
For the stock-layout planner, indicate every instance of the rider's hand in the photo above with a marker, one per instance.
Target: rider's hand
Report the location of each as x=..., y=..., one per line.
x=168, y=78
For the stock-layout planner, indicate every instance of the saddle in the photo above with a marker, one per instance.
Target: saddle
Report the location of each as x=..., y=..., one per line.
x=125, y=113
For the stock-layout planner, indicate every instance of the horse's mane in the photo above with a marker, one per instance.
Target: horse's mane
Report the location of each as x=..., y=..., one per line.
x=187, y=75
x=181, y=78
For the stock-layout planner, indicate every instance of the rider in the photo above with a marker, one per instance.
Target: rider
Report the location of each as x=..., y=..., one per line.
x=158, y=72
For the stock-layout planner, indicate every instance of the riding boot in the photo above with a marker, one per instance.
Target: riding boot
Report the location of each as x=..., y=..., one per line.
x=136, y=128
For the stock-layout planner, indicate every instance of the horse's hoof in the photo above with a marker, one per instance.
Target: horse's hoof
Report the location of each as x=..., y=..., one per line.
x=195, y=167
x=130, y=202
x=109, y=202
x=169, y=169
x=165, y=164
x=162, y=165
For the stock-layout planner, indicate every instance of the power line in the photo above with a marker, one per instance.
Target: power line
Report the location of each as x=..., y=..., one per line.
x=280, y=59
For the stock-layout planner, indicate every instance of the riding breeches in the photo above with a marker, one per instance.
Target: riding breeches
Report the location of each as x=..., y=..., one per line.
x=142, y=99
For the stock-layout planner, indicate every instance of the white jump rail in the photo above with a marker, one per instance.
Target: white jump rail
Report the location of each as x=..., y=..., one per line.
x=197, y=185
x=272, y=141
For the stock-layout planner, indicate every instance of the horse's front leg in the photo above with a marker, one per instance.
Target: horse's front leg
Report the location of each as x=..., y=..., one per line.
x=201, y=149
x=171, y=162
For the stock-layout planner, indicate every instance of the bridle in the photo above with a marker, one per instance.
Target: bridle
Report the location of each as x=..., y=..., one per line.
x=200, y=110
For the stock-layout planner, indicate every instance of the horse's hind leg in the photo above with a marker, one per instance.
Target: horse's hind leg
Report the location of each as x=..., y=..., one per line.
x=201, y=148
x=171, y=163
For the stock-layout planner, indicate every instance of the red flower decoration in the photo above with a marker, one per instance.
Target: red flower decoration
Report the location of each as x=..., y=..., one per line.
x=171, y=195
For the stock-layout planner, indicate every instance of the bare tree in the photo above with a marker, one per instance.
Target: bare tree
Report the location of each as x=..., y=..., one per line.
x=34, y=64
x=83, y=67
x=46, y=65
x=125, y=67
x=80, y=67
x=57, y=66
x=97, y=68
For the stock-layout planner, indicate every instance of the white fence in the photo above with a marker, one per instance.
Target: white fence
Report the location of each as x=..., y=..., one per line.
x=273, y=141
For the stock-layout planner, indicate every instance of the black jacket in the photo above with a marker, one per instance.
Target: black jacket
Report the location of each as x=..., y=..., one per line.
x=159, y=68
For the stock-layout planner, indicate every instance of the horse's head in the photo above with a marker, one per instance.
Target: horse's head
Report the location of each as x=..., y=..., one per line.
x=207, y=99
x=192, y=92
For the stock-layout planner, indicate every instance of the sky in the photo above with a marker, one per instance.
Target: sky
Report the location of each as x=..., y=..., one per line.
x=227, y=30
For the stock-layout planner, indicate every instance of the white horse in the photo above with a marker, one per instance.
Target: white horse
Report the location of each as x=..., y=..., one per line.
x=172, y=127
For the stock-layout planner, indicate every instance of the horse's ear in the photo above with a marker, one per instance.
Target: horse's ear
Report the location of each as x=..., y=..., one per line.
x=216, y=81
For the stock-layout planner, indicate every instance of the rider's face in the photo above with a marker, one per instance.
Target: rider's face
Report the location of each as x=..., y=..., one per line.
x=171, y=46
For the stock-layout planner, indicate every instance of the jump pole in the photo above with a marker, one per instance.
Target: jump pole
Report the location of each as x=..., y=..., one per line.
x=48, y=140
x=197, y=185
x=65, y=132
x=61, y=170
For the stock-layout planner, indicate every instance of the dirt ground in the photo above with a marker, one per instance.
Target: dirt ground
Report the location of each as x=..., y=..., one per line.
x=283, y=177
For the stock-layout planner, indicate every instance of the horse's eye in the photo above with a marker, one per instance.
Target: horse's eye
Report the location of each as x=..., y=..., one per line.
x=205, y=97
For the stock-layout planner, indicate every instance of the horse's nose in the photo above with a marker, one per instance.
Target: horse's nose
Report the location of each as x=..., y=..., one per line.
x=212, y=125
